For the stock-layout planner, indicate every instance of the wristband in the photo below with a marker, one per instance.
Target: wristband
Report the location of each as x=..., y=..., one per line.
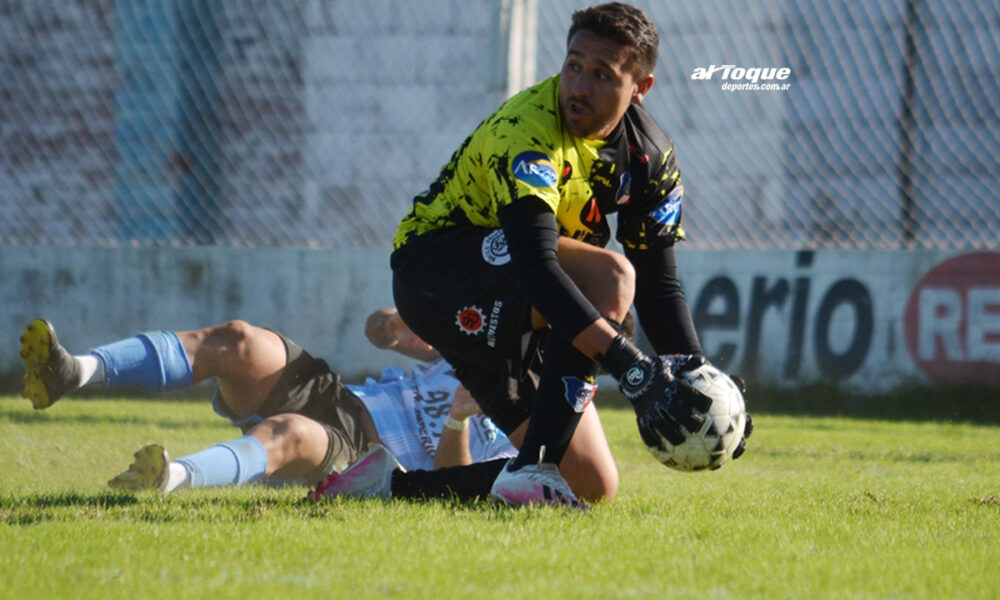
x=455, y=425
x=620, y=357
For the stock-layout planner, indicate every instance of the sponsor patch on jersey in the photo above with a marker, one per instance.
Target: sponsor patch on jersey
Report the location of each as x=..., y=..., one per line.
x=495, y=248
x=491, y=331
x=470, y=320
x=535, y=169
x=669, y=211
x=624, y=194
x=579, y=393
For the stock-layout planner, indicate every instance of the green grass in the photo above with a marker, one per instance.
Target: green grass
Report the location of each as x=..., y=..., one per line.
x=819, y=508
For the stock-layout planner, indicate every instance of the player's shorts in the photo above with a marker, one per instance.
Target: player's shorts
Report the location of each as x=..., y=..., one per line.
x=455, y=288
x=308, y=387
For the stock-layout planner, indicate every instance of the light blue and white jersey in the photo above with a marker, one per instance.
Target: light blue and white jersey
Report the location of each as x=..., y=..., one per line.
x=409, y=414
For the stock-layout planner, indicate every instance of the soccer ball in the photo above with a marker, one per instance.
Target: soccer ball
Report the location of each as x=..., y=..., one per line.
x=713, y=444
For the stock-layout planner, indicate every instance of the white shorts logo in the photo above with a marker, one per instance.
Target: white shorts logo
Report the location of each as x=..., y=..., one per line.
x=495, y=248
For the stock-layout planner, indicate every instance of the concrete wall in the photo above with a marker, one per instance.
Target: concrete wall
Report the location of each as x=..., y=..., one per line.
x=870, y=320
x=94, y=295
x=307, y=123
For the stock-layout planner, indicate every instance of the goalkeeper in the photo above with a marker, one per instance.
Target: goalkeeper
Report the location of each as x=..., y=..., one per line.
x=509, y=240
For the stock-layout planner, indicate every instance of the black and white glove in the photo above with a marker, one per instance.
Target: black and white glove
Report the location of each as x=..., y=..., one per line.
x=666, y=408
x=748, y=429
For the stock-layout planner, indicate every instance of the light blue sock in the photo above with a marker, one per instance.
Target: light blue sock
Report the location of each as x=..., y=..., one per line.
x=231, y=463
x=154, y=361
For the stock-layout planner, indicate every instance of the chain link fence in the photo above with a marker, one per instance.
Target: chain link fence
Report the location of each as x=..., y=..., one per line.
x=887, y=135
x=302, y=123
x=312, y=123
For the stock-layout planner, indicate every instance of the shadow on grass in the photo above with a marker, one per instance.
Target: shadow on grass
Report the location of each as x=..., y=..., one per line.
x=50, y=417
x=148, y=507
x=32, y=510
x=966, y=404
x=63, y=499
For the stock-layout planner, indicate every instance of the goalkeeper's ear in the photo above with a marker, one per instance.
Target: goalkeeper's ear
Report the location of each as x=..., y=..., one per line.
x=642, y=87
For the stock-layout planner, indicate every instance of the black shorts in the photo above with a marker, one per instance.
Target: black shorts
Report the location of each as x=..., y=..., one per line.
x=455, y=288
x=308, y=387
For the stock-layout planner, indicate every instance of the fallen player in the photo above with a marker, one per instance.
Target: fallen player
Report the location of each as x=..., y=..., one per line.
x=300, y=421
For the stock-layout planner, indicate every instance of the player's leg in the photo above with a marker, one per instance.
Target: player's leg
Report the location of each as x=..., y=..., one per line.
x=49, y=370
x=607, y=279
x=567, y=384
x=604, y=277
x=300, y=421
x=297, y=447
x=283, y=447
x=153, y=361
x=588, y=467
x=507, y=401
x=247, y=362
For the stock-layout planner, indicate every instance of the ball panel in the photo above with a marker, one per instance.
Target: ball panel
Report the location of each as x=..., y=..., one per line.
x=714, y=442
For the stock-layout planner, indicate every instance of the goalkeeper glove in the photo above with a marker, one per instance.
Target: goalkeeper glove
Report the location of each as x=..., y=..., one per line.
x=664, y=406
x=748, y=428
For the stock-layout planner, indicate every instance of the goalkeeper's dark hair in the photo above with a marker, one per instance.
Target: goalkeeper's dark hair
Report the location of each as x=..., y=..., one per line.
x=626, y=26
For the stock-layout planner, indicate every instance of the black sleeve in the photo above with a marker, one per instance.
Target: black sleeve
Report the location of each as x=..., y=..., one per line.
x=660, y=302
x=533, y=241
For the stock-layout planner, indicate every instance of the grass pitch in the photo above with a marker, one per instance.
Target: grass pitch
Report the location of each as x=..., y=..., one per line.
x=818, y=508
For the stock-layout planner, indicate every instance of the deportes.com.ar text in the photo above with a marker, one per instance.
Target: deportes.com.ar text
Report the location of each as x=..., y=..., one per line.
x=755, y=87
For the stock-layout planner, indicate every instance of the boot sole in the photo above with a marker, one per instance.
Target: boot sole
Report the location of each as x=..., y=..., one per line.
x=36, y=345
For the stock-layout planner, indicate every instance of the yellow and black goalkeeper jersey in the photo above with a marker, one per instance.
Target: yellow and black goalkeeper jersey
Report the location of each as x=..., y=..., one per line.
x=523, y=150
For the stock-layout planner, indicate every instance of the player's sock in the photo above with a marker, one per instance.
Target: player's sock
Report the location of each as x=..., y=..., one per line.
x=153, y=361
x=234, y=462
x=567, y=386
x=178, y=477
x=91, y=370
x=464, y=483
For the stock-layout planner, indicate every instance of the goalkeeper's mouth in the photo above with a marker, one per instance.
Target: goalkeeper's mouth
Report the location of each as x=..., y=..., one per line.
x=578, y=109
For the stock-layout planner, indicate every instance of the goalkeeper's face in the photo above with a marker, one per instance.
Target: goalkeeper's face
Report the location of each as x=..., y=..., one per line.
x=596, y=85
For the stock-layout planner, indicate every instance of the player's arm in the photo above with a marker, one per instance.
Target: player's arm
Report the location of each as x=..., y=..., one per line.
x=662, y=404
x=660, y=302
x=648, y=231
x=648, y=227
x=533, y=240
x=453, y=448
